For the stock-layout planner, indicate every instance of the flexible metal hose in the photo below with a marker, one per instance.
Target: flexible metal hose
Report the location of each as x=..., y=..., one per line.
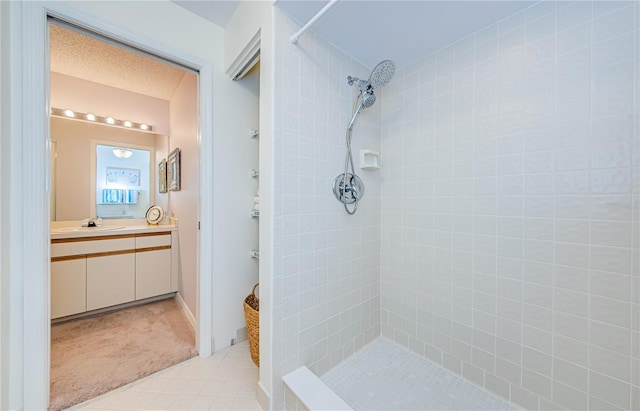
x=357, y=107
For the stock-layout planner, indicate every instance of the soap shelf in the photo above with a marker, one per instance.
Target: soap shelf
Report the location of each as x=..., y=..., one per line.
x=255, y=213
x=369, y=160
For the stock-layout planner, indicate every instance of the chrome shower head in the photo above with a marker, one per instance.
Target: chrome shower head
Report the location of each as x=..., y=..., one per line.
x=382, y=74
x=368, y=99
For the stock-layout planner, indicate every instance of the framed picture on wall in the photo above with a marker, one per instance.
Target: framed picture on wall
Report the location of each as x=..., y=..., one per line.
x=162, y=176
x=173, y=170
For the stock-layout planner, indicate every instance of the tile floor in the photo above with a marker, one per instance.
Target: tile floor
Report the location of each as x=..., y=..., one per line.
x=385, y=376
x=225, y=381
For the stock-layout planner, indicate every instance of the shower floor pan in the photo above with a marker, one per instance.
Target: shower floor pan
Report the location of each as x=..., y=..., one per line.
x=385, y=376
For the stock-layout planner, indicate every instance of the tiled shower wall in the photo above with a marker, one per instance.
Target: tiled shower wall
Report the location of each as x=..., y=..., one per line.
x=326, y=278
x=510, y=197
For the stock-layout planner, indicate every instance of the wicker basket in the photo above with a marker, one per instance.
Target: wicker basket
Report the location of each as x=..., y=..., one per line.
x=252, y=318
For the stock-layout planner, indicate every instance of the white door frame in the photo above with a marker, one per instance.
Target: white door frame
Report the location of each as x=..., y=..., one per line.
x=29, y=333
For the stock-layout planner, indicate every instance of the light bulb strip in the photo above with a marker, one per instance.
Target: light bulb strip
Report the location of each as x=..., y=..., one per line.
x=92, y=118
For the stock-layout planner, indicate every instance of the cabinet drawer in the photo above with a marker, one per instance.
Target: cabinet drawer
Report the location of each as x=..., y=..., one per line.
x=89, y=245
x=153, y=240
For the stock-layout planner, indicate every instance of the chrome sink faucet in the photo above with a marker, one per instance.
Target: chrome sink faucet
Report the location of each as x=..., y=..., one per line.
x=92, y=222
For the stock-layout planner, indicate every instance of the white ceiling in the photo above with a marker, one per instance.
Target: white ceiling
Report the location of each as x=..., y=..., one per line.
x=403, y=31
x=216, y=11
x=374, y=30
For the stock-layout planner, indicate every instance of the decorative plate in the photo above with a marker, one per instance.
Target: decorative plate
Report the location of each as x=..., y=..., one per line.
x=155, y=213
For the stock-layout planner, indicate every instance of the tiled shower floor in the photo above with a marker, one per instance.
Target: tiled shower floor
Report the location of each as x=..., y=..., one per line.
x=385, y=376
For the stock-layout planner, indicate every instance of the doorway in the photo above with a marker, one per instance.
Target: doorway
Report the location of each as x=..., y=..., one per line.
x=29, y=265
x=104, y=91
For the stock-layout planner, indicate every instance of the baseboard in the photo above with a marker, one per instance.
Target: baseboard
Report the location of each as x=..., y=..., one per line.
x=187, y=311
x=113, y=308
x=263, y=396
x=241, y=334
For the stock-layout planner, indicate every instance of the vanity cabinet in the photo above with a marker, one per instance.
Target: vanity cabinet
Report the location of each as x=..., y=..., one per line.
x=110, y=280
x=153, y=265
x=68, y=285
x=91, y=273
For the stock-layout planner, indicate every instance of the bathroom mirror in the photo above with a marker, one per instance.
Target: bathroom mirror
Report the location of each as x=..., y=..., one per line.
x=88, y=179
x=123, y=180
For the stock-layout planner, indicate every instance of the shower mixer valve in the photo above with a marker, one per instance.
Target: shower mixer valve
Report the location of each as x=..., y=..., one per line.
x=348, y=190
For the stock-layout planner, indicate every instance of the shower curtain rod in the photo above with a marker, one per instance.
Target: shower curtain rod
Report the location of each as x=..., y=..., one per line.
x=295, y=37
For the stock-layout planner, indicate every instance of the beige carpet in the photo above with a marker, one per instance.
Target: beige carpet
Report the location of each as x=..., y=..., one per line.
x=94, y=355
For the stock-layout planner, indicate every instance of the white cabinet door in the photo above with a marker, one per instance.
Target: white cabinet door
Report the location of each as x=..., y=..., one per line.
x=68, y=287
x=110, y=280
x=153, y=273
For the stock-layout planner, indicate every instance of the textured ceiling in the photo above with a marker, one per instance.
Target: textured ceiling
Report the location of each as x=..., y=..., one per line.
x=87, y=58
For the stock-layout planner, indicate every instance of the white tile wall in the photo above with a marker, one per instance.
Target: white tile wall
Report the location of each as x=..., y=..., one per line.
x=326, y=263
x=501, y=238
x=509, y=207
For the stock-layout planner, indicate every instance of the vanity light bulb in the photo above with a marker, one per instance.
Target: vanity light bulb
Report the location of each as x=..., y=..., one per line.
x=127, y=123
x=69, y=113
x=144, y=127
x=91, y=117
x=110, y=120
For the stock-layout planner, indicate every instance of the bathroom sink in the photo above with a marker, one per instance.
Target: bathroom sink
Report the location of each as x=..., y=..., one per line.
x=85, y=229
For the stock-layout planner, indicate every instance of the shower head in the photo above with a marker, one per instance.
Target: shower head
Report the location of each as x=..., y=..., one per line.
x=368, y=99
x=382, y=74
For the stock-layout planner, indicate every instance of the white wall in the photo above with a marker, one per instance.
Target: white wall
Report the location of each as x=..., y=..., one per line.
x=88, y=97
x=183, y=116
x=238, y=155
x=326, y=264
x=4, y=134
x=249, y=17
x=510, y=194
x=247, y=20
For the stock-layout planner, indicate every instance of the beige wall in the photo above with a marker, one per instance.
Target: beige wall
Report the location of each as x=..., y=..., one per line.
x=89, y=97
x=73, y=163
x=184, y=203
x=162, y=151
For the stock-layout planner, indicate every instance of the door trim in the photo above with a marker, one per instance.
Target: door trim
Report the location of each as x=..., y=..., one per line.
x=29, y=272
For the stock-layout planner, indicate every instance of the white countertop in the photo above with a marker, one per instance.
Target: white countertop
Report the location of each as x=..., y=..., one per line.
x=71, y=229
